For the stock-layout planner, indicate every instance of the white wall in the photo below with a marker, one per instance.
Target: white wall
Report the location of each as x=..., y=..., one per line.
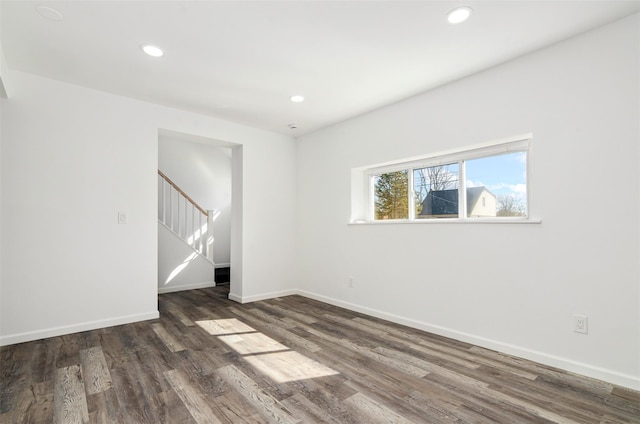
x=179, y=266
x=3, y=79
x=512, y=287
x=203, y=171
x=2, y=91
x=3, y=68
x=71, y=159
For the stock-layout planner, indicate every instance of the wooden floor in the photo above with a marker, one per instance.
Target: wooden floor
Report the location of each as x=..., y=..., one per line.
x=286, y=360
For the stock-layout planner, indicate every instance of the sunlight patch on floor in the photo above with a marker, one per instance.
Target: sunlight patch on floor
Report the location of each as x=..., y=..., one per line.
x=265, y=354
x=289, y=366
x=252, y=343
x=218, y=327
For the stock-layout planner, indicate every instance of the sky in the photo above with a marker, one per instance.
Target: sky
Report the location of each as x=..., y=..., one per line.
x=502, y=175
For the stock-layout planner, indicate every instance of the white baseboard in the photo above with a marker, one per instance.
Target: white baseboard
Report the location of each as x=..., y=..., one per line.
x=264, y=296
x=76, y=328
x=171, y=289
x=566, y=364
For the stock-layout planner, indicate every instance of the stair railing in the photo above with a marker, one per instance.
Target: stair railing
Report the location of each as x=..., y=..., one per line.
x=182, y=215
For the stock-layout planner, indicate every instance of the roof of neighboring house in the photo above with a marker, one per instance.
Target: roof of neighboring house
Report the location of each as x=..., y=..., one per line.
x=445, y=202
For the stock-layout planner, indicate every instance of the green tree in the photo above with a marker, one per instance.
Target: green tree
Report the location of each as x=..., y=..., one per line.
x=392, y=195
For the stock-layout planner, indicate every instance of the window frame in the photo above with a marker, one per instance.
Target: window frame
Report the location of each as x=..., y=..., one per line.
x=520, y=143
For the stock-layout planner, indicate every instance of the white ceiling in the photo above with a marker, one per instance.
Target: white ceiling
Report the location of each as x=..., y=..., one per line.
x=242, y=60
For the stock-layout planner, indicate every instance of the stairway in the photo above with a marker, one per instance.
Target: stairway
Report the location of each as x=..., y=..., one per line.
x=185, y=240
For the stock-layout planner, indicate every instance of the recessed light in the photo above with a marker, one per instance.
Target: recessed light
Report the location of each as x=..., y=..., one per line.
x=459, y=15
x=293, y=126
x=297, y=99
x=49, y=13
x=151, y=50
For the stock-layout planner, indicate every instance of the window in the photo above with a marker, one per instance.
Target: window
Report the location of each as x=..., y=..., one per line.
x=391, y=195
x=483, y=182
x=436, y=191
x=504, y=177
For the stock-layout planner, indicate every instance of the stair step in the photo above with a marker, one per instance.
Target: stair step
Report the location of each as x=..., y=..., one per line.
x=222, y=275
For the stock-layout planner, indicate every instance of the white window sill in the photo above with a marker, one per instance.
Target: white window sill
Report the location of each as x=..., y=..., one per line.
x=450, y=221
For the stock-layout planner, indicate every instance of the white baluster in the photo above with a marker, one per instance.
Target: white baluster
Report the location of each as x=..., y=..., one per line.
x=186, y=229
x=193, y=227
x=162, y=202
x=209, y=239
x=171, y=208
x=200, y=232
x=179, y=219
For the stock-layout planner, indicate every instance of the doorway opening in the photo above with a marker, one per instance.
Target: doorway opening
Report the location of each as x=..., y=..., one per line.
x=206, y=173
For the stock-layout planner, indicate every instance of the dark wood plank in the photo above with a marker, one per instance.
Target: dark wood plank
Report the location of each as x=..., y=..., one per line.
x=197, y=406
x=263, y=402
x=69, y=397
x=34, y=405
x=104, y=408
x=95, y=372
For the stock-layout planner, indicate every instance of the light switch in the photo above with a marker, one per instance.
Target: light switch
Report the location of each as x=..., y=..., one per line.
x=122, y=218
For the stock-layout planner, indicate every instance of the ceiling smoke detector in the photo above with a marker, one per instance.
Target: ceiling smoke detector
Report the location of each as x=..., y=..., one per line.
x=293, y=126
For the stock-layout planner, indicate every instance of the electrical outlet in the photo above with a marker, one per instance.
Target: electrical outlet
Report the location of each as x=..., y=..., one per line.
x=350, y=283
x=122, y=218
x=580, y=324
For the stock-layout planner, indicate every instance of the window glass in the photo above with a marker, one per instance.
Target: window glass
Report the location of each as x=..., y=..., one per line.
x=391, y=195
x=497, y=185
x=436, y=191
x=488, y=181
